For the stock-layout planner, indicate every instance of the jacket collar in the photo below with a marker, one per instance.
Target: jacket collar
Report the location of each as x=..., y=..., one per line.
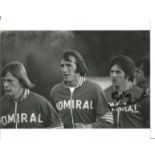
x=81, y=80
x=23, y=97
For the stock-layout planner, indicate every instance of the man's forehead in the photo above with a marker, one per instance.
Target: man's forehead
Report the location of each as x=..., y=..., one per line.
x=116, y=67
x=8, y=75
x=71, y=59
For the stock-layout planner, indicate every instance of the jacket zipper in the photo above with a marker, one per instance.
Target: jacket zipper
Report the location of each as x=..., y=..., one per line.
x=118, y=118
x=16, y=120
x=26, y=92
x=71, y=109
x=82, y=79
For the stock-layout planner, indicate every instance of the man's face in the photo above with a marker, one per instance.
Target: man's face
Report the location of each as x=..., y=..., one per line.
x=117, y=75
x=12, y=87
x=139, y=75
x=68, y=69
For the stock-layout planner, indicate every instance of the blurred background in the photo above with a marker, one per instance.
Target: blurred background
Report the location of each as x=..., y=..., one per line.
x=40, y=52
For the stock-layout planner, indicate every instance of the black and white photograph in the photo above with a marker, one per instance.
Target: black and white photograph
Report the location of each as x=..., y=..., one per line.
x=76, y=77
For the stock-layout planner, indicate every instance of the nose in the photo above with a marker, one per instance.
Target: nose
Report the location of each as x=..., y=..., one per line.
x=63, y=69
x=5, y=83
x=113, y=74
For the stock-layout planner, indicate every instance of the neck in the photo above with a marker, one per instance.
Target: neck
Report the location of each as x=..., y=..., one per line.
x=18, y=95
x=73, y=83
x=124, y=87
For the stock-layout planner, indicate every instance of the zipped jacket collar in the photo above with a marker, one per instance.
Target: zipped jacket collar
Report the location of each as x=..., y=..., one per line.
x=24, y=96
x=81, y=80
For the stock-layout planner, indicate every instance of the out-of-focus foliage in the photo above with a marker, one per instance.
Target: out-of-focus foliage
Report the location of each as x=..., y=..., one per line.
x=40, y=51
x=101, y=46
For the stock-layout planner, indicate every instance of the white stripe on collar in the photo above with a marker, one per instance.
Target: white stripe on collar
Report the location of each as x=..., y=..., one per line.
x=26, y=93
x=81, y=80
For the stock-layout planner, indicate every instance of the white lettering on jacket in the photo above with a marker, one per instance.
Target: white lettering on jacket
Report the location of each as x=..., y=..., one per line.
x=75, y=104
x=21, y=118
x=127, y=108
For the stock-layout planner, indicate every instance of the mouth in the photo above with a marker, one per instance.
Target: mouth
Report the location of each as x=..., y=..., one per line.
x=66, y=75
x=114, y=80
x=7, y=90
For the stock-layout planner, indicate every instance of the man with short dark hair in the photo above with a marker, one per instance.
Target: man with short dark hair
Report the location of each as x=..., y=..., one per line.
x=20, y=107
x=80, y=103
x=129, y=106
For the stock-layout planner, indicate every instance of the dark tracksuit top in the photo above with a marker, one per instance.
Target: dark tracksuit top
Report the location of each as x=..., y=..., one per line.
x=86, y=104
x=131, y=109
x=32, y=111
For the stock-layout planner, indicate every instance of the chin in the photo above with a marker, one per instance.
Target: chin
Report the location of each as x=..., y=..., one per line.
x=115, y=84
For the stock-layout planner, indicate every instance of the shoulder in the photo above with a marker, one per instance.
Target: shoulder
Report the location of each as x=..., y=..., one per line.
x=93, y=88
x=91, y=84
x=4, y=98
x=135, y=88
x=40, y=101
x=37, y=97
x=57, y=87
x=136, y=91
x=145, y=97
x=108, y=90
